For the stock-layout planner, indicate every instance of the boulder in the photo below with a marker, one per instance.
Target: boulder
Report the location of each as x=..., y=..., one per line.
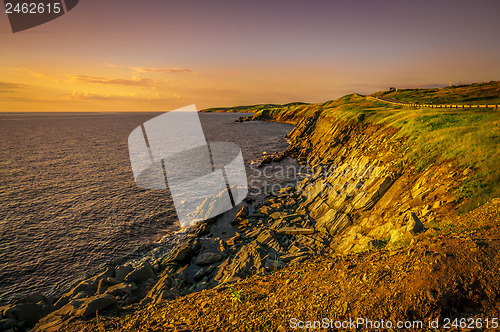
x=263, y=211
x=265, y=160
x=83, y=307
x=203, y=272
x=223, y=248
x=184, y=251
x=299, y=259
x=265, y=237
x=121, y=289
x=8, y=324
x=164, y=284
x=245, y=223
x=414, y=225
x=201, y=229
x=437, y=204
x=201, y=286
x=122, y=271
x=279, y=223
x=253, y=234
x=291, y=257
x=85, y=288
x=232, y=241
x=33, y=298
x=295, y=231
x=182, y=273
x=282, y=155
x=99, y=302
x=268, y=240
x=145, y=301
x=397, y=237
x=140, y=274
x=242, y=214
x=292, y=216
x=277, y=206
x=112, y=281
x=80, y=295
x=364, y=243
x=277, y=215
x=102, y=287
x=109, y=272
x=333, y=222
x=248, y=261
x=27, y=313
x=207, y=258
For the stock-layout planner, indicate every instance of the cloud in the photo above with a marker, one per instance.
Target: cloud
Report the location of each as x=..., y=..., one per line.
x=135, y=81
x=162, y=70
x=158, y=70
x=8, y=87
x=35, y=73
x=134, y=96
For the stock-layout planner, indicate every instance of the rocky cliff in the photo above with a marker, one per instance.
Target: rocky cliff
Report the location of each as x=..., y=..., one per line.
x=366, y=194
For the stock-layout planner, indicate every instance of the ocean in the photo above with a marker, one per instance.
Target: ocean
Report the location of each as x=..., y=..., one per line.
x=68, y=201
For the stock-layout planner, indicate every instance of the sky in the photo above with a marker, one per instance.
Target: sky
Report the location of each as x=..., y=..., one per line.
x=159, y=55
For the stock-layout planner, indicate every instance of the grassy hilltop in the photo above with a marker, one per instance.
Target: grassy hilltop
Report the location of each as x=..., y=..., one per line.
x=248, y=108
x=420, y=242
x=473, y=94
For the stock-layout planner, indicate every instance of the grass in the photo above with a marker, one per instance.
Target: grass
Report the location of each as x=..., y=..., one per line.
x=473, y=94
x=447, y=227
x=471, y=139
x=468, y=138
x=235, y=295
x=400, y=242
x=382, y=243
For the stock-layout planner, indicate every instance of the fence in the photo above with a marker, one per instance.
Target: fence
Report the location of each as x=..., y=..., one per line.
x=434, y=105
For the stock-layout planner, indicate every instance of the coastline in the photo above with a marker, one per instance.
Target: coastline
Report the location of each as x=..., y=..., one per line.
x=356, y=207
x=148, y=257
x=332, y=241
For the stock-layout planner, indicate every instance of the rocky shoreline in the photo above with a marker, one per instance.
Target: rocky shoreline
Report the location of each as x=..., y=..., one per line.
x=266, y=240
x=179, y=264
x=354, y=200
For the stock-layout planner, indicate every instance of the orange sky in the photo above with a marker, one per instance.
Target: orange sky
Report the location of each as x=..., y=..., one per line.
x=160, y=55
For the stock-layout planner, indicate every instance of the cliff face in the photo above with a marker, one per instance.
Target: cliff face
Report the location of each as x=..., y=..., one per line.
x=360, y=193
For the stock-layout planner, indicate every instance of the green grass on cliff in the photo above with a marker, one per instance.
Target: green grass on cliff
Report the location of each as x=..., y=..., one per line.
x=469, y=138
x=473, y=94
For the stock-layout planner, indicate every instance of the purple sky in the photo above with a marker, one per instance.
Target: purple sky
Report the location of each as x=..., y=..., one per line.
x=160, y=55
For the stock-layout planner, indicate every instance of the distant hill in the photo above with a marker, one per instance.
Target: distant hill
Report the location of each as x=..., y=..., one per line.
x=473, y=94
x=248, y=108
